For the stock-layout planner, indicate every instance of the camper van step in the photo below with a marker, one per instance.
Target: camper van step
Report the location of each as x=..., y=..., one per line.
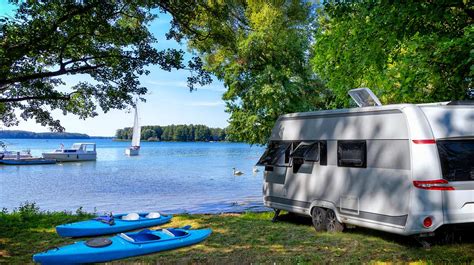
x=275, y=216
x=424, y=244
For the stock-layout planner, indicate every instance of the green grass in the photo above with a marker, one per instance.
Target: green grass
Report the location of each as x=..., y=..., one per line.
x=237, y=238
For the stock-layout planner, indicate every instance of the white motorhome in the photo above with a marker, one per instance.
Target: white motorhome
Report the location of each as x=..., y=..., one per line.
x=406, y=169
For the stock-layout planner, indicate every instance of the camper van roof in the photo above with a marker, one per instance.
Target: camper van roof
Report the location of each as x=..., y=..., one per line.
x=351, y=110
x=383, y=108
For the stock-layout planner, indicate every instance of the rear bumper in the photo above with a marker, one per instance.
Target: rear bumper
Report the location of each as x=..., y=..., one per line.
x=459, y=217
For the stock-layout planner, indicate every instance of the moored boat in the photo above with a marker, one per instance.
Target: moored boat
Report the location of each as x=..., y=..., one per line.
x=122, y=246
x=27, y=161
x=78, y=152
x=15, y=154
x=112, y=224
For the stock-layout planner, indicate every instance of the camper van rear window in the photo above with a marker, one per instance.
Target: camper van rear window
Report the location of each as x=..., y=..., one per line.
x=457, y=158
x=351, y=154
x=309, y=151
x=275, y=154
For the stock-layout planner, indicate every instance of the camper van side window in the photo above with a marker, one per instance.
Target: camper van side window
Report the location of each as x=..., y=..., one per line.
x=275, y=154
x=307, y=151
x=351, y=154
x=323, y=153
x=457, y=159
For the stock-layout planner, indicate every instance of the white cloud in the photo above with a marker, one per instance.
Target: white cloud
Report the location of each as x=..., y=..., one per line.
x=206, y=104
x=180, y=84
x=184, y=84
x=212, y=88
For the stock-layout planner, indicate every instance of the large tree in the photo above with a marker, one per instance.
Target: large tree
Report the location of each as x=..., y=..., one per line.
x=415, y=51
x=108, y=41
x=259, y=49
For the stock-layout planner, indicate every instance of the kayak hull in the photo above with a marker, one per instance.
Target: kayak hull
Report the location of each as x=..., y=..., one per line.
x=120, y=248
x=95, y=228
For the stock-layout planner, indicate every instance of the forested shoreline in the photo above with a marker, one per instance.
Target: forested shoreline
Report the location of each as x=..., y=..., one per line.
x=178, y=133
x=44, y=135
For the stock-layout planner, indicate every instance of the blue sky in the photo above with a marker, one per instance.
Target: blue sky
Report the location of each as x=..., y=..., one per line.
x=168, y=102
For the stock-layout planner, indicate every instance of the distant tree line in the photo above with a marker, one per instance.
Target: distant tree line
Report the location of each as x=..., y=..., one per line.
x=45, y=135
x=179, y=133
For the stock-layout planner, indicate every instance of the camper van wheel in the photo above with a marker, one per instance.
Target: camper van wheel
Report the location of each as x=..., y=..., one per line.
x=332, y=224
x=318, y=215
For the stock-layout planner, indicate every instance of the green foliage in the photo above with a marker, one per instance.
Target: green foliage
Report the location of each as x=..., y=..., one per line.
x=28, y=230
x=179, y=133
x=107, y=40
x=418, y=51
x=148, y=133
x=259, y=49
x=29, y=215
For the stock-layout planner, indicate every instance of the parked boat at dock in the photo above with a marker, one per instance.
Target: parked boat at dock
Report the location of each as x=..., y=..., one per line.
x=27, y=161
x=15, y=154
x=78, y=152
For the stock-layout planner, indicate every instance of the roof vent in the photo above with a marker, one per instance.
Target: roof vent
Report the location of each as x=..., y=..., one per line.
x=364, y=97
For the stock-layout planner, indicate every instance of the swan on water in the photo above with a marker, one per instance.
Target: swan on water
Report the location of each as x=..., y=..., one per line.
x=237, y=172
x=255, y=169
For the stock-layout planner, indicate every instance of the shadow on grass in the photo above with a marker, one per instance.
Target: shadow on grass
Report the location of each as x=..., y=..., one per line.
x=465, y=235
x=253, y=238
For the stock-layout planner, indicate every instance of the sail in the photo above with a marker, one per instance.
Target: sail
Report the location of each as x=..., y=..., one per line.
x=136, y=130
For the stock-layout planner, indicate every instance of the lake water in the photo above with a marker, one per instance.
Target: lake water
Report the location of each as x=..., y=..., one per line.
x=166, y=176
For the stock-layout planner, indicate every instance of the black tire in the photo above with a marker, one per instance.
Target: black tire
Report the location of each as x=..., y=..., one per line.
x=332, y=224
x=318, y=215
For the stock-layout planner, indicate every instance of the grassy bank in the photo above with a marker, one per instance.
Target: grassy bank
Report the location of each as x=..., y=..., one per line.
x=238, y=238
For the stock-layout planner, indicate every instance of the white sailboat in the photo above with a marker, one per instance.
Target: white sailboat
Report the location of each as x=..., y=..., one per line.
x=135, y=147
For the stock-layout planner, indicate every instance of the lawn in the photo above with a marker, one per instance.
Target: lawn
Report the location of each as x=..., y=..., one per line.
x=237, y=238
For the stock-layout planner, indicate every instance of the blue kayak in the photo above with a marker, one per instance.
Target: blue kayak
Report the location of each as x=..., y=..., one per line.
x=122, y=246
x=109, y=225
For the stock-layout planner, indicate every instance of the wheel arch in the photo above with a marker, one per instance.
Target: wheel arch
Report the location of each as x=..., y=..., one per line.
x=325, y=205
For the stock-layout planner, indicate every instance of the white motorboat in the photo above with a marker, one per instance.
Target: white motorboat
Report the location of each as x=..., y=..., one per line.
x=15, y=155
x=78, y=152
x=134, y=149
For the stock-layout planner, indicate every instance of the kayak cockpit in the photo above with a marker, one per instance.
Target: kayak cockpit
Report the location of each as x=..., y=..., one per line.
x=177, y=233
x=147, y=236
x=143, y=237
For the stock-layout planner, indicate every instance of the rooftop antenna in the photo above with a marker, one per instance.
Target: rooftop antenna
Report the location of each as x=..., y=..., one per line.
x=364, y=97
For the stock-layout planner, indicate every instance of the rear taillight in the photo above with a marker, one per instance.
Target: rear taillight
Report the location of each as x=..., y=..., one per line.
x=424, y=141
x=438, y=184
x=427, y=222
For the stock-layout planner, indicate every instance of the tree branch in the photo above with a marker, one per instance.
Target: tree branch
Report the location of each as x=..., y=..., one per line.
x=67, y=97
x=62, y=71
x=44, y=97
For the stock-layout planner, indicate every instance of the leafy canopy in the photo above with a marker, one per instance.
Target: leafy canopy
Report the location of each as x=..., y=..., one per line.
x=106, y=40
x=418, y=51
x=259, y=49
